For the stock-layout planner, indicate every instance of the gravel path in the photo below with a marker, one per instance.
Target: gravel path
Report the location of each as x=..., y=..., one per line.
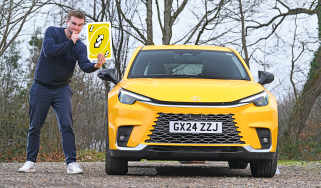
x=159, y=174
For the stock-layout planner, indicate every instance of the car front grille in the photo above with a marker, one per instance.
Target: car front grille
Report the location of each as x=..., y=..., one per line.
x=161, y=134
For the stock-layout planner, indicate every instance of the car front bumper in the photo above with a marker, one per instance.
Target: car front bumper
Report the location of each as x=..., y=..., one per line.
x=147, y=118
x=185, y=153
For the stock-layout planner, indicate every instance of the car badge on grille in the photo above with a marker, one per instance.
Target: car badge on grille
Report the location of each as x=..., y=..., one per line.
x=196, y=98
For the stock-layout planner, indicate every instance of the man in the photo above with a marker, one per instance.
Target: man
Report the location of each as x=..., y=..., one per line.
x=61, y=49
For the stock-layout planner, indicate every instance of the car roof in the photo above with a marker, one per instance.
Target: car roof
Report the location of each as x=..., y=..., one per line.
x=186, y=47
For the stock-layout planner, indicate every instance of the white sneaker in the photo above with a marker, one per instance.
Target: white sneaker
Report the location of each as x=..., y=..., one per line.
x=277, y=172
x=74, y=168
x=29, y=166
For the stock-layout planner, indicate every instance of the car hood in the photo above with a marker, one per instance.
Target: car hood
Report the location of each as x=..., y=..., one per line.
x=192, y=90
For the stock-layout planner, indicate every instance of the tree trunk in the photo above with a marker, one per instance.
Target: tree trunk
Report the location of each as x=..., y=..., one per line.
x=311, y=92
x=149, y=22
x=244, y=46
x=167, y=35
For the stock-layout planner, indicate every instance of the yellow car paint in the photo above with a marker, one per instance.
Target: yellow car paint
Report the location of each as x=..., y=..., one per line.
x=142, y=116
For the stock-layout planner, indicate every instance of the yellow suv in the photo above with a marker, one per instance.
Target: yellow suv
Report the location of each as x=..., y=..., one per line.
x=186, y=102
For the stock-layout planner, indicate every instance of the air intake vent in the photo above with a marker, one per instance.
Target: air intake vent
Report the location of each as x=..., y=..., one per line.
x=161, y=132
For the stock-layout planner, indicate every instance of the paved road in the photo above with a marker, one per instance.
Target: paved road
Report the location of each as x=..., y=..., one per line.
x=158, y=174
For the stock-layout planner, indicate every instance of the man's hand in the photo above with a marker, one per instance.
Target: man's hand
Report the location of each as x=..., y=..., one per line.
x=101, y=61
x=74, y=37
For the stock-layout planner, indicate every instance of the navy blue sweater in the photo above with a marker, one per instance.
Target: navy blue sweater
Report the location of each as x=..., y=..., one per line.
x=58, y=58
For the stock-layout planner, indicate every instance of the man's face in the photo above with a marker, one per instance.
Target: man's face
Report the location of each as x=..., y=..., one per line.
x=75, y=24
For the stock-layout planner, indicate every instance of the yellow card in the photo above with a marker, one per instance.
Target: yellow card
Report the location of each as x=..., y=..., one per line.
x=99, y=39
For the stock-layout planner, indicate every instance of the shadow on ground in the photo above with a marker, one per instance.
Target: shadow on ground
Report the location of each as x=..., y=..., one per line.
x=181, y=170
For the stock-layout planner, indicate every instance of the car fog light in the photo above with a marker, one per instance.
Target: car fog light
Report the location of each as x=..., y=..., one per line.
x=123, y=135
x=264, y=135
x=122, y=138
x=265, y=140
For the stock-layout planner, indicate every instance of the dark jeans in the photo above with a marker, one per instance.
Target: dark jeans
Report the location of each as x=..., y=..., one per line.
x=41, y=98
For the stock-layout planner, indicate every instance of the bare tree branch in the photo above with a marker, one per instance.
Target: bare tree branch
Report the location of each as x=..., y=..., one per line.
x=178, y=11
x=282, y=15
x=293, y=60
x=141, y=35
x=207, y=21
x=13, y=28
x=159, y=17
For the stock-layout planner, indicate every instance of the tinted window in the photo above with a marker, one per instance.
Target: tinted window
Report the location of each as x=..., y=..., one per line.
x=187, y=63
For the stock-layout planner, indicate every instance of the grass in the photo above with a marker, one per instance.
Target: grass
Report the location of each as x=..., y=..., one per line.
x=295, y=162
x=292, y=163
x=90, y=156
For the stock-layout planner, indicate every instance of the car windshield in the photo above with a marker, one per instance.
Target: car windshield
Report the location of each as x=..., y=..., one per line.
x=187, y=64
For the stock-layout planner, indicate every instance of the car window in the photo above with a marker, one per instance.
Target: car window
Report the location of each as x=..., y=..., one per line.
x=187, y=64
x=187, y=69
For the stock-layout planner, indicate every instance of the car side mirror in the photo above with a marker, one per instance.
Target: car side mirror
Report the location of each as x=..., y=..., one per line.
x=265, y=77
x=108, y=75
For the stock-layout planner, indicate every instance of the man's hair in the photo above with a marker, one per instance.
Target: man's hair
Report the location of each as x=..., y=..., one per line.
x=76, y=13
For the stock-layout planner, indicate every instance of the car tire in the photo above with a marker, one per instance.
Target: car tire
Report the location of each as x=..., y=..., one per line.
x=113, y=166
x=237, y=164
x=264, y=168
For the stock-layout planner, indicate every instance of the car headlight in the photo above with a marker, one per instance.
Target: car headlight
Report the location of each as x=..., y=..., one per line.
x=261, y=99
x=127, y=97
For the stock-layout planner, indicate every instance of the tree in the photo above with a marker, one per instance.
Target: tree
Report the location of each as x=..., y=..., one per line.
x=144, y=32
x=170, y=15
x=312, y=88
x=208, y=22
x=308, y=97
x=12, y=104
x=13, y=16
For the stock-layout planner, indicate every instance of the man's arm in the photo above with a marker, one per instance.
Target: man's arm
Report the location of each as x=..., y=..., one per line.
x=50, y=47
x=84, y=62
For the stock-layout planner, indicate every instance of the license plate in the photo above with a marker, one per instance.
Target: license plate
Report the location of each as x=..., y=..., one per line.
x=195, y=127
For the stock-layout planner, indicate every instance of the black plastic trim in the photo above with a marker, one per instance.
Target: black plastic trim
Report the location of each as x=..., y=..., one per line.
x=191, y=153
